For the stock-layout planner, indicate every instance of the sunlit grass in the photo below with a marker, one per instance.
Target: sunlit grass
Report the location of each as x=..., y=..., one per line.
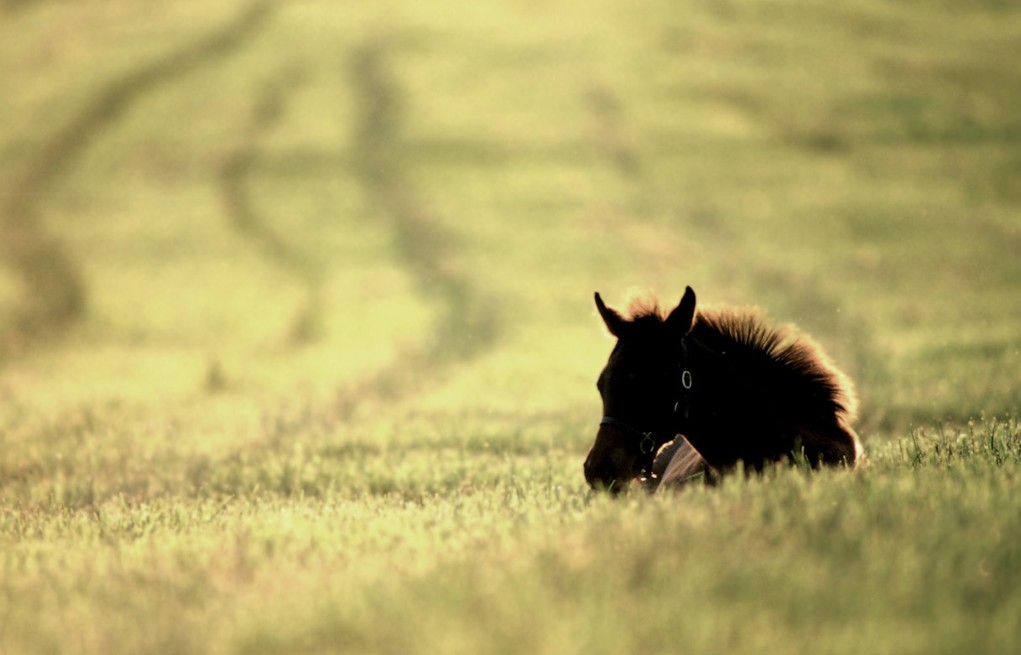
x=513, y=550
x=332, y=382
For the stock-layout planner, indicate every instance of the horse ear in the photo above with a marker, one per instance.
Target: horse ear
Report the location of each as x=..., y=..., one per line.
x=614, y=322
x=682, y=317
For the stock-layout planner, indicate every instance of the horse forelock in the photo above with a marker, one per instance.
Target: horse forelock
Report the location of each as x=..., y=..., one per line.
x=643, y=306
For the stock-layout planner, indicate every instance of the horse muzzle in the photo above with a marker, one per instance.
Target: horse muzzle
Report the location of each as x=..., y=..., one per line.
x=613, y=460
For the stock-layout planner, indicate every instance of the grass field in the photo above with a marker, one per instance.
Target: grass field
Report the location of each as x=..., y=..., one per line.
x=298, y=350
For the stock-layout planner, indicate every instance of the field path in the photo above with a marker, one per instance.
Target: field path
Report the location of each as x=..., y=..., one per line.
x=55, y=293
x=468, y=322
x=611, y=136
x=244, y=216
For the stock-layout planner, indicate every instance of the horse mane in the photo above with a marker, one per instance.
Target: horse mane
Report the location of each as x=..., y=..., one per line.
x=782, y=354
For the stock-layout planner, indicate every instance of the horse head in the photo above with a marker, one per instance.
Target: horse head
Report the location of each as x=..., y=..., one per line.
x=643, y=388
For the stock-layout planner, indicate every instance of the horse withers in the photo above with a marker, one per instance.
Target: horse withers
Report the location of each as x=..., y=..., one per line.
x=690, y=394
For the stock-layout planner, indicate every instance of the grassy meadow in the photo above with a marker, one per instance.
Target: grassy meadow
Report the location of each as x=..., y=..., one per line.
x=298, y=350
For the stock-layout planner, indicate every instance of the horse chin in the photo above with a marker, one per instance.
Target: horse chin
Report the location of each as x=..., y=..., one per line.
x=611, y=465
x=615, y=489
x=615, y=482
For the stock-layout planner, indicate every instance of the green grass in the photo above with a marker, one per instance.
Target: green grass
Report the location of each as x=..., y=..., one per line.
x=297, y=349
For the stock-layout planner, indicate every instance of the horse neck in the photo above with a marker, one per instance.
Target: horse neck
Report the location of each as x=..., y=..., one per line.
x=722, y=398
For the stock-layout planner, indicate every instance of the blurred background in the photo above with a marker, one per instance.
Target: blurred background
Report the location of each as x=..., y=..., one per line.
x=370, y=204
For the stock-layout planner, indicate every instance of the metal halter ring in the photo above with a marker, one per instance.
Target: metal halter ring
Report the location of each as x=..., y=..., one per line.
x=686, y=379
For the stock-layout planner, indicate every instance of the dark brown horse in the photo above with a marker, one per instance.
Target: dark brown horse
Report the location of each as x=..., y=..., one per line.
x=690, y=394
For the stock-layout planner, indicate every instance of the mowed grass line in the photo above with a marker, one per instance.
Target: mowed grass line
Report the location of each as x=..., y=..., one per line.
x=467, y=322
x=55, y=293
x=235, y=178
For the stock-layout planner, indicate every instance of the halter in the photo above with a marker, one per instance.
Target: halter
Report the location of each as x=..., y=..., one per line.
x=651, y=442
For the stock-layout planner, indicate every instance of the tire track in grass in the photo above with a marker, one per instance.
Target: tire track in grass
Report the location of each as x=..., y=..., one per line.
x=612, y=139
x=54, y=289
x=244, y=216
x=468, y=322
x=616, y=146
x=14, y=6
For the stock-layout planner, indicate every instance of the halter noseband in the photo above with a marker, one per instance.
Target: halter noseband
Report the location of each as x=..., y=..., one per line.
x=649, y=443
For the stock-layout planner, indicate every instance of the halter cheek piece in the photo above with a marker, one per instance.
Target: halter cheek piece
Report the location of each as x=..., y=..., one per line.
x=686, y=383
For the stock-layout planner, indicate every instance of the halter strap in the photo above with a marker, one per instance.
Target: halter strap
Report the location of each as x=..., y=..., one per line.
x=681, y=406
x=647, y=445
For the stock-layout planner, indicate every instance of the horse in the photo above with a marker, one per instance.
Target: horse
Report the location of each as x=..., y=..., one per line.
x=691, y=394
